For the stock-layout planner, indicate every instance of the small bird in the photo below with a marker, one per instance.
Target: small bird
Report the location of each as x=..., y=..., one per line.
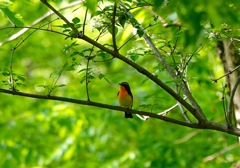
x=125, y=98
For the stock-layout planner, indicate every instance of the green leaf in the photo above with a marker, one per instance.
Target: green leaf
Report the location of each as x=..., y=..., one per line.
x=100, y=76
x=140, y=32
x=13, y=17
x=96, y=13
x=84, y=69
x=122, y=20
x=5, y=73
x=77, y=26
x=134, y=57
x=75, y=20
x=74, y=53
x=21, y=78
x=70, y=68
x=66, y=30
x=91, y=5
x=73, y=44
x=157, y=4
x=60, y=85
x=65, y=65
x=145, y=80
x=5, y=3
x=54, y=74
x=83, y=79
x=43, y=86
x=103, y=55
x=65, y=26
x=110, y=30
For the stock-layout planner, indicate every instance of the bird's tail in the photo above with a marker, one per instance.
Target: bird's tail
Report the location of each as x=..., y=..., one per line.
x=128, y=115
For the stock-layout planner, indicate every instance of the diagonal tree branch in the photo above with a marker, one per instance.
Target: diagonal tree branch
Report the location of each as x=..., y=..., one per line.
x=198, y=114
x=131, y=63
x=144, y=72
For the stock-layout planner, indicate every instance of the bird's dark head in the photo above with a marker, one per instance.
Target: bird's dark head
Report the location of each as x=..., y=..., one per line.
x=125, y=85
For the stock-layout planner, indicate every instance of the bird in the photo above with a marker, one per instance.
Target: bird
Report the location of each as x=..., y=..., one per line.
x=125, y=98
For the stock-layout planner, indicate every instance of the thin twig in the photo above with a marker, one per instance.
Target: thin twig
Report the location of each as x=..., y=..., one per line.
x=189, y=59
x=215, y=155
x=230, y=105
x=54, y=83
x=87, y=67
x=110, y=59
x=114, y=28
x=169, y=109
x=144, y=118
x=84, y=22
x=11, y=80
x=226, y=74
x=160, y=18
x=187, y=137
x=127, y=41
x=174, y=47
x=224, y=103
x=88, y=57
x=26, y=28
x=185, y=67
x=184, y=113
x=61, y=16
x=135, y=36
x=34, y=28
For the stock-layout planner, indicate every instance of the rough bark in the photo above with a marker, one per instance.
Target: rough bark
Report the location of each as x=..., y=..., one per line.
x=230, y=58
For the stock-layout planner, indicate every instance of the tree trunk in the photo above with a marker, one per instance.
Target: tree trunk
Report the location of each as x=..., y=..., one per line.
x=230, y=58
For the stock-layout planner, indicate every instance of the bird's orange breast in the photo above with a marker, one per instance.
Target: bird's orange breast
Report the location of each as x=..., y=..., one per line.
x=124, y=98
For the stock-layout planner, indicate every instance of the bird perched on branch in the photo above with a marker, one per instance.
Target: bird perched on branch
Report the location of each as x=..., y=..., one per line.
x=125, y=98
